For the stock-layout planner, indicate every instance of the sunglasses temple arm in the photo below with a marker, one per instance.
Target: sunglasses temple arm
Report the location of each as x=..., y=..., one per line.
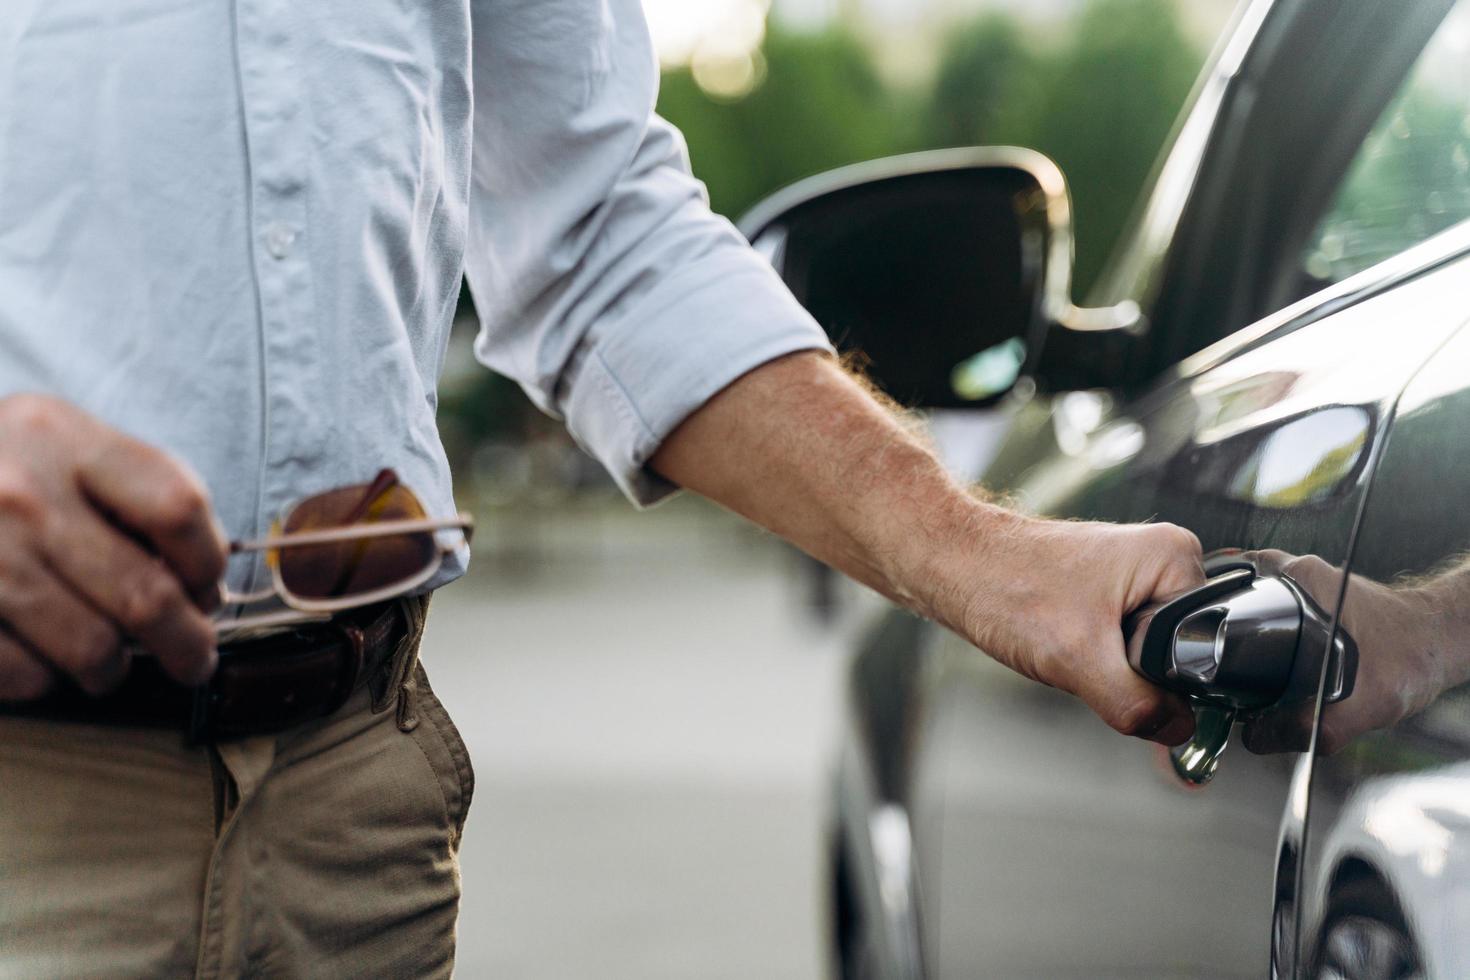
x=299, y=539
x=229, y=597
x=280, y=617
x=382, y=483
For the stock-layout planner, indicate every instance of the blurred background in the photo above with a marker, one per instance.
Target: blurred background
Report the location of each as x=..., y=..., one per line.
x=649, y=699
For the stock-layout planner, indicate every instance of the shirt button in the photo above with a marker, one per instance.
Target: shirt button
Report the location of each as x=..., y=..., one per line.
x=278, y=240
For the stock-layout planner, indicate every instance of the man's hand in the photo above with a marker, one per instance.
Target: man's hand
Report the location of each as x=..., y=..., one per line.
x=801, y=448
x=101, y=538
x=1048, y=598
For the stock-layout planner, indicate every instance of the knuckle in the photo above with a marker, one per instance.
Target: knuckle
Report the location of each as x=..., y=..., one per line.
x=21, y=677
x=189, y=659
x=1138, y=718
x=212, y=562
x=20, y=498
x=1181, y=538
x=181, y=502
x=152, y=598
x=91, y=649
x=31, y=412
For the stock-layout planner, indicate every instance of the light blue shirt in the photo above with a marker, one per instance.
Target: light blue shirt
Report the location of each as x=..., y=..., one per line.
x=237, y=230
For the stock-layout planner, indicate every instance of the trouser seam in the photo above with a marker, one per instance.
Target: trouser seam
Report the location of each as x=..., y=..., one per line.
x=444, y=730
x=448, y=817
x=462, y=769
x=211, y=937
x=212, y=927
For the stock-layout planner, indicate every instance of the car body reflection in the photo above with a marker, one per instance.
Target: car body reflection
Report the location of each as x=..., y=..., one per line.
x=1401, y=849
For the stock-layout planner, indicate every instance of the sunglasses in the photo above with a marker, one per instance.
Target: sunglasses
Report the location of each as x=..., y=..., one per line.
x=345, y=548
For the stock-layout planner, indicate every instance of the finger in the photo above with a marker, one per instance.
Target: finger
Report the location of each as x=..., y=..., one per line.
x=1176, y=730
x=61, y=628
x=1184, y=562
x=23, y=675
x=160, y=499
x=1160, y=562
x=1127, y=702
x=135, y=590
x=1177, y=578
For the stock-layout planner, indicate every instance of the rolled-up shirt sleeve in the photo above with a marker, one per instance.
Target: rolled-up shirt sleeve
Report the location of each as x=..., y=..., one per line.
x=605, y=285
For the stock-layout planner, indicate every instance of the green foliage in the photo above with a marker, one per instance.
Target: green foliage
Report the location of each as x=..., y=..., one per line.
x=1112, y=98
x=988, y=87
x=484, y=406
x=1100, y=104
x=821, y=105
x=1099, y=99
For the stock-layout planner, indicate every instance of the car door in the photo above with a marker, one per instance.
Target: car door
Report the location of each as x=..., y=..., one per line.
x=1065, y=850
x=1054, y=848
x=1385, y=883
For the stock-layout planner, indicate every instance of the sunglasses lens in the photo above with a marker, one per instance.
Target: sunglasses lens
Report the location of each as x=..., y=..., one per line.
x=362, y=565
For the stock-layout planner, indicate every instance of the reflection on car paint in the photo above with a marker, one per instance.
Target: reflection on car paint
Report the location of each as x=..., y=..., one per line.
x=1404, y=842
x=1391, y=807
x=1305, y=460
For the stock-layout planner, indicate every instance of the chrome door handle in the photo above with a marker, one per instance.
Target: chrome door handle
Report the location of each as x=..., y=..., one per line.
x=1240, y=643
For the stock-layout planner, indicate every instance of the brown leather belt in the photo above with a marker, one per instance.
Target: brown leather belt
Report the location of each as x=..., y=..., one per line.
x=261, y=686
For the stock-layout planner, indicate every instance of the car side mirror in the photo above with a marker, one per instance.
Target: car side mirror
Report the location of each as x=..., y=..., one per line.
x=946, y=269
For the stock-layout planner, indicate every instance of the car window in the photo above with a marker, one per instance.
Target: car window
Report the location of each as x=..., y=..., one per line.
x=1411, y=176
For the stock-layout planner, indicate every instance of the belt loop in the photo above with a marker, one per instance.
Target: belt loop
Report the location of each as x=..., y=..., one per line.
x=401, y=685
x=408, y=701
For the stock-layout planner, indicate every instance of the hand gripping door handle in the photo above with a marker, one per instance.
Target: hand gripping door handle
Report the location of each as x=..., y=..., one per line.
x=1240, y=643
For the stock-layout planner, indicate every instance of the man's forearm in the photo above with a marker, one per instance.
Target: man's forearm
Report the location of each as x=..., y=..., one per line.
x=801, y=448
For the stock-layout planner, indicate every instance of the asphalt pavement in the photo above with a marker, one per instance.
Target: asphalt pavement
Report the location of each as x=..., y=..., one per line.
x=649, y=711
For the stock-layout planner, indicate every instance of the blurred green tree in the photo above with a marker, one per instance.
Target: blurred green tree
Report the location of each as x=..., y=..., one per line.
x=1099, y=100
x=1113, y=97
x=987, y=89
x=1100, y=104
x=821, y=104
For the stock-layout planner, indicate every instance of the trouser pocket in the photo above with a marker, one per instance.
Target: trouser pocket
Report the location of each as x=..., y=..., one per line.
x=441, y=739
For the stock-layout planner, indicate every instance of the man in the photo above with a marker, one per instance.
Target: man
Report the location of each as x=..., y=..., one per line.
x=231, y=238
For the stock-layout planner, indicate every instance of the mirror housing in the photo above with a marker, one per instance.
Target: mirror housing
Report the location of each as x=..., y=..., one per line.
x=946, y=270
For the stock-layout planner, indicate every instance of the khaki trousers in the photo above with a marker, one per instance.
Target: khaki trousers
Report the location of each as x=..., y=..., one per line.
x=329, y=851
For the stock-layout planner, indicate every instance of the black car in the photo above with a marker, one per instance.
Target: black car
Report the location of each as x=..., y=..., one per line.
x=1278, y=359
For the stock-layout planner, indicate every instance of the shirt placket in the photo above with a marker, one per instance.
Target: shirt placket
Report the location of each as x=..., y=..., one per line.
x=276, y=122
